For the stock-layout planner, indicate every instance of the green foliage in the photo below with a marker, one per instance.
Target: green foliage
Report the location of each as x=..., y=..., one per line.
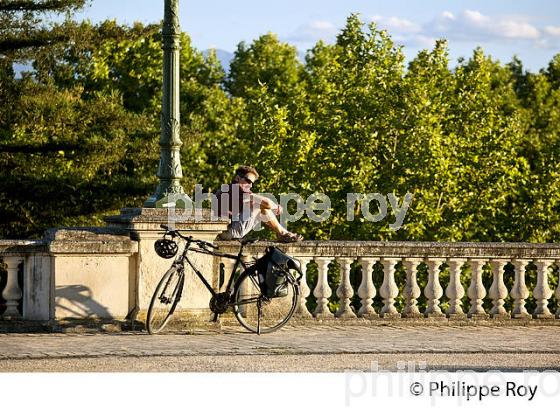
x=24, y=25
x=477, y=145
x=265, y=62
x=79, y=139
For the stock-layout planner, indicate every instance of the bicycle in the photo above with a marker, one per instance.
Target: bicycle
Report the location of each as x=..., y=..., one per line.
x=244, y=293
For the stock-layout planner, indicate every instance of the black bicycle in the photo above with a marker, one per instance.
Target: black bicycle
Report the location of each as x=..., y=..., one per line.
x=244, y=292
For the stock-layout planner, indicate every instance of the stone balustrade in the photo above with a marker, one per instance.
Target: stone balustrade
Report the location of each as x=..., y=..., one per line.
x=105, y=273
x=462, y=295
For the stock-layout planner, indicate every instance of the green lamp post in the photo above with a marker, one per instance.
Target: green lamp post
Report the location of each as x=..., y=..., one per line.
x=169, y=169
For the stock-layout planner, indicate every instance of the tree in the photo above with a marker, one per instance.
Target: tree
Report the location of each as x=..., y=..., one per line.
x=265, y=62
x=86, y=121
x=539, y=97
x=423, y=167
x=24, y=25
x=355, y=96
x=265, y=80
x=477, y=145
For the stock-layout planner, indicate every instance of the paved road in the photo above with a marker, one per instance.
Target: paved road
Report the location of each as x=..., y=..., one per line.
x=317, y=348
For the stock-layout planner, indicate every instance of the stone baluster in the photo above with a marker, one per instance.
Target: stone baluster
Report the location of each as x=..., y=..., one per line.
x=557, y=293
x=389, y=290
x=476, y=291
x=322, y=290
x=247, y=289
x=12, y=293
x=498, y=291
x=228, y=266
x=301, y=309
x=542, y=291
x=433, y=290
x=345, y=291
x=366, y=291
x=411, y=288
x=519, y=291
x=454, y=290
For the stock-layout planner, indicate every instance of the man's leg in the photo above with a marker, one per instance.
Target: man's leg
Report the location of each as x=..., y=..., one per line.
x=269, y=219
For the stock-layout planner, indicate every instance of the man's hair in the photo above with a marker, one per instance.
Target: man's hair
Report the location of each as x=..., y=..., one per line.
x=243, y=170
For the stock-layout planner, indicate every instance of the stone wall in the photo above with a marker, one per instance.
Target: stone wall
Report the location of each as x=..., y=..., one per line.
x=108, y=272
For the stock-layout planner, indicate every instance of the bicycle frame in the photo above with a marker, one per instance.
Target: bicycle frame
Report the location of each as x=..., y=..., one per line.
x=180, y=261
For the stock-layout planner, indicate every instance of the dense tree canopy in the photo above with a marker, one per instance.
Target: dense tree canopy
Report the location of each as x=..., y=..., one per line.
x=477, y=145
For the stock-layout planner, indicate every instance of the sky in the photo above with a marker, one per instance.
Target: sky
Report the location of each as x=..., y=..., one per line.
x=529, y=29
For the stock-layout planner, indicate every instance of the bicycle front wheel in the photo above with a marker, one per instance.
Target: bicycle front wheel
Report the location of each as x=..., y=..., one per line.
x=165, y=300
x=257, y=313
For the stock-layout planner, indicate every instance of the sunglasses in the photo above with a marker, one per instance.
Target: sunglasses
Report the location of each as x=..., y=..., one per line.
x=248, y=180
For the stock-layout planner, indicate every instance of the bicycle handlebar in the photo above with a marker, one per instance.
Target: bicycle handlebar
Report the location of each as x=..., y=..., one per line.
x=199, y=242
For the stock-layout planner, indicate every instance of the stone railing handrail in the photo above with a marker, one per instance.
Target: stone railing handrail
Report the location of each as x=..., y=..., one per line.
x=20, y=246
x=405, y=249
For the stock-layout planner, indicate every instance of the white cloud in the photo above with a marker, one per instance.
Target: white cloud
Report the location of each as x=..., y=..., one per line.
x=321, y=25
x=514, y=29
x=476, y=17
x=473, y=25
x=397, y=24
x=448, y=15
x=552, y=31
x=313, y=31
x=467, y=26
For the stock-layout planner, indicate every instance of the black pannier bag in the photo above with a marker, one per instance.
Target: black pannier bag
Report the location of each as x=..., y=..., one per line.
x=273, y=273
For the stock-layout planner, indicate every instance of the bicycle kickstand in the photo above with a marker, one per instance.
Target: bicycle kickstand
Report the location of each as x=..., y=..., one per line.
x=259, y=314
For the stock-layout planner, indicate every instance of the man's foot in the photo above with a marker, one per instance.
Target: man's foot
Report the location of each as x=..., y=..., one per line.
x=289, y=237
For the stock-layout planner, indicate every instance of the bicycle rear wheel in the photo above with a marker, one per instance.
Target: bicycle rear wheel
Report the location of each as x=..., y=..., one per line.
x=165, y=300
x=257, y=313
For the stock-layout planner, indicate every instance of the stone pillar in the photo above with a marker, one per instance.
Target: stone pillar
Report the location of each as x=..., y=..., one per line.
x=301, y=309
x=498, y=291
x=433, y=290
x=143, y=225
x=411, y=289
x=542, y=291
x=38, y=282
x=345, y=291
x=94, y=272
x=476, y=291
x=322, y=290
x=389, y=290
x=12, y=294
x=366, y=291
x=455, y=290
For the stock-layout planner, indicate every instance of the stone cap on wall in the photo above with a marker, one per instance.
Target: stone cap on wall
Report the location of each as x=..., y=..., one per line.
x=89, y=240
x=150, y=219
x=404, y=249
x=10, y=247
